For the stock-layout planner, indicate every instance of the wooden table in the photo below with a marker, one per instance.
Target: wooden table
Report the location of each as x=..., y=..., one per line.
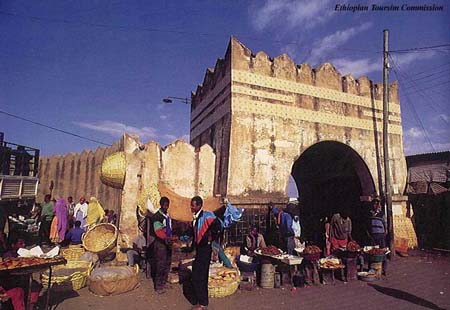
x=29, y=270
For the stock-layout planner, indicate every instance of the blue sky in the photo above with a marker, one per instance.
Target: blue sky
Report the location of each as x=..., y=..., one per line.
x=100, y=68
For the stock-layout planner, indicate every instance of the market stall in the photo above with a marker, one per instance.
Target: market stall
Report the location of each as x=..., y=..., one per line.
x=26, y=266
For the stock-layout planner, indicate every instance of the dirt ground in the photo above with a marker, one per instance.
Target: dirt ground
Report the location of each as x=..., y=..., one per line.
x=421, y=281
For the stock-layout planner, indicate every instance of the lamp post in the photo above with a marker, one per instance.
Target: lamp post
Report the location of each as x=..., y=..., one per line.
x=170, y=99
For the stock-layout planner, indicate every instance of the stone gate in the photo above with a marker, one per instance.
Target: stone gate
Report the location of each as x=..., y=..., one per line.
x=267, y=119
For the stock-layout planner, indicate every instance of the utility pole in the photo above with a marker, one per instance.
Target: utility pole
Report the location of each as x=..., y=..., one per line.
x=387, y=173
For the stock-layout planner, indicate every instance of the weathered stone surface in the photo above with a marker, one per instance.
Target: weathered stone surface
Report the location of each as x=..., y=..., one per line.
x=278, y=114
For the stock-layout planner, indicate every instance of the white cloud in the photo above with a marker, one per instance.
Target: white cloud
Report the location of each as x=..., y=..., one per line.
x=357, y=68
x=117, y=129
x=331, y=42
x=291, y=13
x=163, y=116
x=415, y=141
x=413, y=132
x=404, y=59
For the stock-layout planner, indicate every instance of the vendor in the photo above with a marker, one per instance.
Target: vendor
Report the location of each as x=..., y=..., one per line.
x=253, y=241
x=10, y=284
x=15, y=246
x=284, y=224
x=340, y=230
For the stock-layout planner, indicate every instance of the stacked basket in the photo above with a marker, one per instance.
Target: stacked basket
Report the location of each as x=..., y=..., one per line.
x=77, y=279
x=100, y=239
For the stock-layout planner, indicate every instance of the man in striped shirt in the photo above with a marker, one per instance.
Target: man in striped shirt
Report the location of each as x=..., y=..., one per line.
x=162, y=246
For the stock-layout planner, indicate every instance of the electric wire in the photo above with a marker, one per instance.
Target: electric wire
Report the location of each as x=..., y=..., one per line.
x=430, y=100
x=416, y=116
x=53, y=128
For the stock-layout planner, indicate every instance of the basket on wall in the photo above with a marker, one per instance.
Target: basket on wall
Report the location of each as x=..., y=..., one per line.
x=113, y=170
x=100, y=239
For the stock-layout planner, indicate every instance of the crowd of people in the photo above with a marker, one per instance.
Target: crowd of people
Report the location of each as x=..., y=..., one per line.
x=60, y=222
x=63, y=222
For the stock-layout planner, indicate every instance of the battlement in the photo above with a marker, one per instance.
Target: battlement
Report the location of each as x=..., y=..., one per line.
x=239, y=57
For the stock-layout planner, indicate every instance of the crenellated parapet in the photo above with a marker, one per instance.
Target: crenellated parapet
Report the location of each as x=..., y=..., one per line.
x=239, y=57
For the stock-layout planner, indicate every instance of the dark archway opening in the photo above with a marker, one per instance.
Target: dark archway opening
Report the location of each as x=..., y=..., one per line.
x=331, y=177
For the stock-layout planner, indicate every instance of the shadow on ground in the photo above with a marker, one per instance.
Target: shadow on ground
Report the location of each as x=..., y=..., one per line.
x=406, y=297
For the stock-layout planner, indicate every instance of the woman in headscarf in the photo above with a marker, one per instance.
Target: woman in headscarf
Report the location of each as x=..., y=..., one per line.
x=60, y=211
x=59, y=223
x=95, y=212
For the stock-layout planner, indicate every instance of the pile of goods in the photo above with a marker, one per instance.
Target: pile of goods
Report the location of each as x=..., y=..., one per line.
x=23, y=262
x=311, y=253
x=330, y=263
x=312, y=249
x=222, y=281
x=113, y=280
x=271, y=251
x=376, y=251
x=352, y=246
x=367, y=276
x=223, y=276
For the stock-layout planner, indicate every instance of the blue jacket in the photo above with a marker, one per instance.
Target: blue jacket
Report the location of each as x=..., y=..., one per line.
x=286, y=225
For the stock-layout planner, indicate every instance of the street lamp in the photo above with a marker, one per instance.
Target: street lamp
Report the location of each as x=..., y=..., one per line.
x=170, y=99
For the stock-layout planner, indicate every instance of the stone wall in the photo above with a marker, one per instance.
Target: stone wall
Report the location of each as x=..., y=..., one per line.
x=183, y=169
x=76, y=175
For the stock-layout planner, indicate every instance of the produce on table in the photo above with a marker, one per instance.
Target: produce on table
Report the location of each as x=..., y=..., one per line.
x=352, y=246
x=271, y=251
x=377, y=252
x=330, y=263
x=21, y=262
x=312, y=249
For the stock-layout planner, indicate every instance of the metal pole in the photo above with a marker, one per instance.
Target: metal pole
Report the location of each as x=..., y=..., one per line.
x=387, y=177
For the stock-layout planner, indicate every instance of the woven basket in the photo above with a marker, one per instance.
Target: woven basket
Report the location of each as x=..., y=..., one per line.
x=223, y=291
x=77, y=279
x=73, y=252
x=113, y=170
x=113, y=286
x=219, y=291
x=100, y=239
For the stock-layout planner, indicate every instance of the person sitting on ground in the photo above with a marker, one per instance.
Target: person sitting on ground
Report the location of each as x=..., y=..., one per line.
x=139, y=245
x=253, y=241
x=16, y=295
x=74, y=235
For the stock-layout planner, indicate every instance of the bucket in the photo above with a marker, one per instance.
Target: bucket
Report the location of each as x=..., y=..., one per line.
x=277, y=280
x=378, y=267
x=267, y=276
x=351, y=269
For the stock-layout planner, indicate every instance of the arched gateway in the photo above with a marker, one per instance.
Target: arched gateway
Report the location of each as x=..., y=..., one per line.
x=265, y=118
x=331, y=177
